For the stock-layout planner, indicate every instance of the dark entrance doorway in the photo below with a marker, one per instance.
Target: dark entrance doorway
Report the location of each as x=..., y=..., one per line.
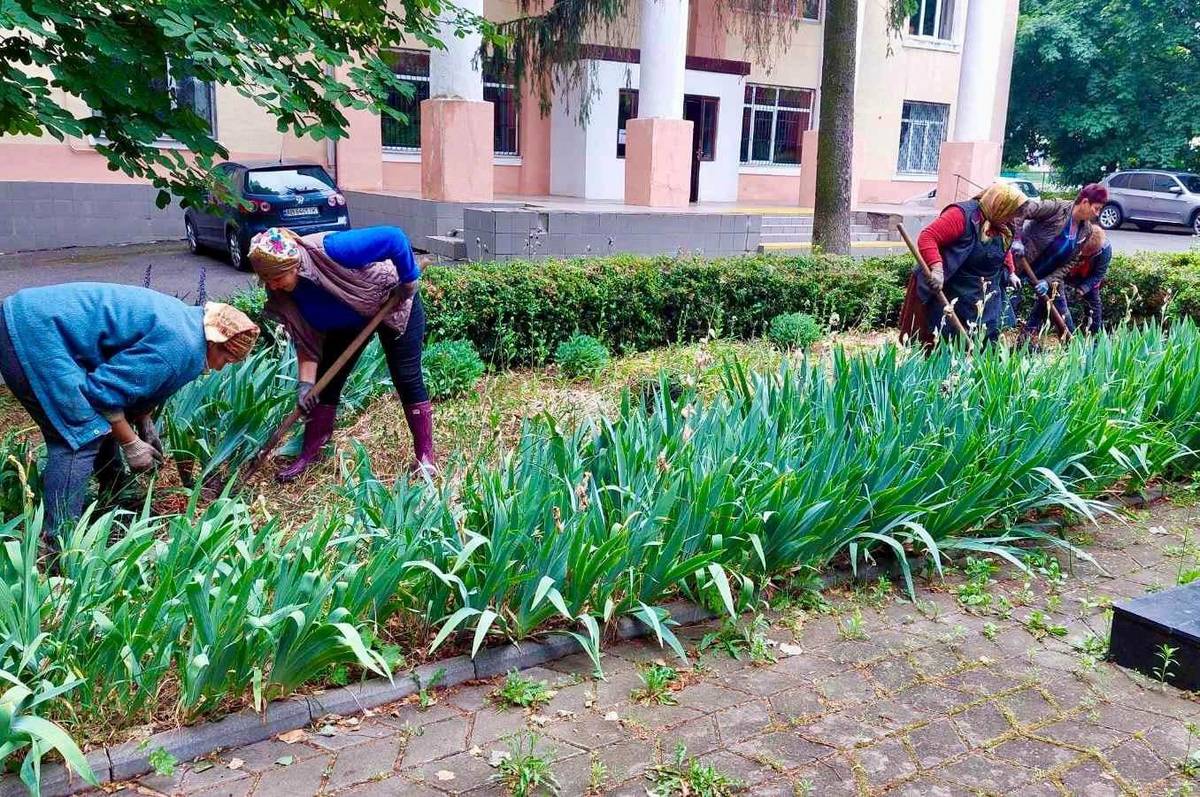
x=701, y=111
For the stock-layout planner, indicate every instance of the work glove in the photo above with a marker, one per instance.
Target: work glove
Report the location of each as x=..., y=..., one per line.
x=1042, y=288
x=1014, y=282
x=140, y=455
x=147, y=430
x=1018, y=249
x=306, y=397
x=937, y=277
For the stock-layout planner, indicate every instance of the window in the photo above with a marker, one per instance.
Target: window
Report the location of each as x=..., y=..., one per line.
x=1119, y=181
x=627, y=107
x=412, y=66
x=1163, y=183
x=180, y=88
x=773, y=120
x=934, y=19
x=289, y=180
x=922, y=131
x=1140, y=182
x=498, y=90
x=795, y=9
x=702, y=111
x=1191, y=182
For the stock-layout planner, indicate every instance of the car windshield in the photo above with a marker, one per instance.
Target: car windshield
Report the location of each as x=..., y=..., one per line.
x=297, y=180
x=1190, y=181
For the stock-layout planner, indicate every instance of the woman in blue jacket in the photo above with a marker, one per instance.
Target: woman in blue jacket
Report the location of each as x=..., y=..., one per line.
x=324, y=288
x=89, y=362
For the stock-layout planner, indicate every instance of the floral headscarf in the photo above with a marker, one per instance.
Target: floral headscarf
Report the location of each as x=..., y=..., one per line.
x=274, y=252
x=1000, y=203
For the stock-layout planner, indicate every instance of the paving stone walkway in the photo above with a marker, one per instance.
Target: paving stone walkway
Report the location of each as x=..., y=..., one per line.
x=914, y=699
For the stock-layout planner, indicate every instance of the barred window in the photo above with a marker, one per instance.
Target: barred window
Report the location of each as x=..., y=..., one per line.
x=934, y=19
x=774, y=119
x=412, y=66
x=922, y=131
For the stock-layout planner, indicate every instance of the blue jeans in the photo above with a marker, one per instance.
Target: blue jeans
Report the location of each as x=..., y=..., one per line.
x=65, y=478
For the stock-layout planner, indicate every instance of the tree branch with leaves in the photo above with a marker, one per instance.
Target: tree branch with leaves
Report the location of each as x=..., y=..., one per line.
x=110, y=72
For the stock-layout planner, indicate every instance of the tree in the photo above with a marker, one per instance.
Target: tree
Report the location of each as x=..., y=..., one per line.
x=1117, y=86
x=118, y=72
x=835, y=138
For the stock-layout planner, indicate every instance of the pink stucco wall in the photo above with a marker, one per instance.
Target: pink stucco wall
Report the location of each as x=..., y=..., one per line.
x=891, y=191
x=774, y=188
x=63, y=163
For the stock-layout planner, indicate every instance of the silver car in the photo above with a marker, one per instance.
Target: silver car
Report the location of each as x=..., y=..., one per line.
x=1148, y=197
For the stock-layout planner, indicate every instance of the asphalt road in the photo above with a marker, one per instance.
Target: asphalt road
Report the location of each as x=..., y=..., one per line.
x=173, y=270
x=1163, y=239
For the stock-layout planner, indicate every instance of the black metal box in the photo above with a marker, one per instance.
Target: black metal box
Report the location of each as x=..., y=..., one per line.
x=1141, y=626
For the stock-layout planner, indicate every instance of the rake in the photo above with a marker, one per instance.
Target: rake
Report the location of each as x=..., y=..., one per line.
x=955, y=321
x=359, y=341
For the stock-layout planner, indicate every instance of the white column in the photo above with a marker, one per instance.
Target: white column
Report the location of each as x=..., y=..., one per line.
x=979, y=72
x=455, y=71
x=664, y=50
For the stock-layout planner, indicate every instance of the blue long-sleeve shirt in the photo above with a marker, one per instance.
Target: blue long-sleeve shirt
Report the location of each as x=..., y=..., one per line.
x=354, y=249
x=90, y=349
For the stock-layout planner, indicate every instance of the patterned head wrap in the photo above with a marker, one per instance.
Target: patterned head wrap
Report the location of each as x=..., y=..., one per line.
x=1000, y=203
x=274, y=252
x=229, y=327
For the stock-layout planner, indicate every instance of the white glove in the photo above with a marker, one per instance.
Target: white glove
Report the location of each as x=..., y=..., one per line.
x=1014, y=281
x=1018, y=249
x=140, y=455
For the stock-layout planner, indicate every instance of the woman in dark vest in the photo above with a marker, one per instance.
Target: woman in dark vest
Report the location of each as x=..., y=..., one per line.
x=967, y=249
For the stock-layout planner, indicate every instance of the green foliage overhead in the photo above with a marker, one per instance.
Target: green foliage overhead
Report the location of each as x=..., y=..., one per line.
x=1115, y=84
x=87, y=68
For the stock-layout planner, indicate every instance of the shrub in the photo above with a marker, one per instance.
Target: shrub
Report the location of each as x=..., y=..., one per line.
x=794, y=331
x=451, y=368
x=581, y=356
x=518, y=312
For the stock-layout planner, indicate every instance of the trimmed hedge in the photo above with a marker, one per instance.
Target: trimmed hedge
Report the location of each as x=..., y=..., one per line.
x=518, y=312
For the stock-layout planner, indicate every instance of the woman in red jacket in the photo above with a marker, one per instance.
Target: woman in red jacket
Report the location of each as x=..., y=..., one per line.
x=967, y=249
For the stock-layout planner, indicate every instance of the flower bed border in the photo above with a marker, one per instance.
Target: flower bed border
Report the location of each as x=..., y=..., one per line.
x=132, y=759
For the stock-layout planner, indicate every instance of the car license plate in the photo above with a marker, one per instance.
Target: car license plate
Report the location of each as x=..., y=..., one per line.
x=293, y=213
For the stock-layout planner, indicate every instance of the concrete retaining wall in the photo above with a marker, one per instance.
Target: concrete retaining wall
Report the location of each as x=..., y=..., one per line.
x=501, y=234
x=53, y=215
x=419, y=218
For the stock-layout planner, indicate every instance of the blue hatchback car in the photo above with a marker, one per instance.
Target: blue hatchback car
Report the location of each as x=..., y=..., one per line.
x=301, y=196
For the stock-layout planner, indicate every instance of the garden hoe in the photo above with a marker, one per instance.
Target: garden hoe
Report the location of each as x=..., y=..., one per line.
x=955, y=321
x=359, y=341
x=1064, y=332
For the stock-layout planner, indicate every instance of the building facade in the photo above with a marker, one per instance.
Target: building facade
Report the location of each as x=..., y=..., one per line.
x=679, y=111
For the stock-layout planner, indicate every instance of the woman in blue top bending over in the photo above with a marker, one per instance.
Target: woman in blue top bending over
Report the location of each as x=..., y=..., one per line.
x=324, y=288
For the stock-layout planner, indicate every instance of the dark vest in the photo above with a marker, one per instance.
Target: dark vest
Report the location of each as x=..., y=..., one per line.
x=969, y=257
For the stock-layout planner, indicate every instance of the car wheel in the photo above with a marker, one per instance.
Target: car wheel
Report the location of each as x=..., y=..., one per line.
x=237, y=255
x=1144, y=226
x=1196, y=223
x=1111, y=217
x=193, y=241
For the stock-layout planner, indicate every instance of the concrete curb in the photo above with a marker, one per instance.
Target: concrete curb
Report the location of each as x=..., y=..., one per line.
x=132, y=759
x=246, y=727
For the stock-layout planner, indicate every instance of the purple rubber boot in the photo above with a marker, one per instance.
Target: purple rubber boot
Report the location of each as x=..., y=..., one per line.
x=420, y=423
x=317, y=431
